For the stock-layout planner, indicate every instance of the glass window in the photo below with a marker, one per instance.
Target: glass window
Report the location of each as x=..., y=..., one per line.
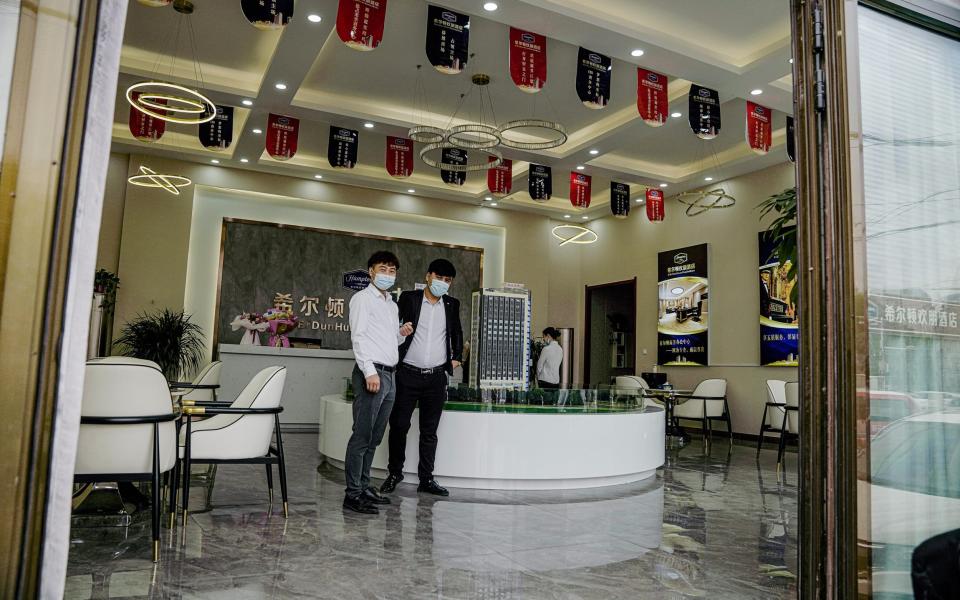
x=9, y=19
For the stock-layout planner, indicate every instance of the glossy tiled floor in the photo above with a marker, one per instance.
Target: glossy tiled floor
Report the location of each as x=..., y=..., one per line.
x=714, y=526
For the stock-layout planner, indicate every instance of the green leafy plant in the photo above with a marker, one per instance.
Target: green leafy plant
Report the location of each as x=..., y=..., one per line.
x=782, y=231
x=167, y=338
x=106, y=283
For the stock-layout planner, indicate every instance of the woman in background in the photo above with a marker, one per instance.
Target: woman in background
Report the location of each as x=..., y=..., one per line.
x=548, y=367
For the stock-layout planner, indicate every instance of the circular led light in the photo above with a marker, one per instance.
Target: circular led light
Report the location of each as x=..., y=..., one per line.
x=490, y=6
x=580, y=167
x=676, y=291
x=636, y=52
x=663, y=185
x=488, y=198
x=150, y=178
x=574, y=234
x=584, y=217
x=708, y=178
x=467, y=168
x=280, y=85
x=314, y=18
x=676, y=115
x=214, y=161
x=756, y=92
x=246, y=102
x=257, y=131
x=700, y=202
x=318, y=176
x=594, y=152
x=791, y=61
x=474, y=136
x=566, y=216
x=368, y=125
x=493, y=204
x=425, y=134
x=180, y=100
x=558, y=130
x=243, y=160
x=411, y=191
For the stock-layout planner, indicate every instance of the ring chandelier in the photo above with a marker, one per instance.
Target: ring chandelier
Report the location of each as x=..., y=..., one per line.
x=574, y=234
x=698, y=203
x=470, y=167
x=150, y=178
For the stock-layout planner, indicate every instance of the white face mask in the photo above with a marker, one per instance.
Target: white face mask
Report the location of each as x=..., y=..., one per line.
x=384, y=282
x=439, y=288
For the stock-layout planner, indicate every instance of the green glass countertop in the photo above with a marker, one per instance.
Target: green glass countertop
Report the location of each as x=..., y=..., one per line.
x=538, y=409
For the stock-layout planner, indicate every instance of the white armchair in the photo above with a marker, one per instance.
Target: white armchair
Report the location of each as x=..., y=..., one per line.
x=707, y=403
x=239, y=433
x=774, y=411
x=127, y=430
x=791, y=424
x=204, y=386
x=631, y=385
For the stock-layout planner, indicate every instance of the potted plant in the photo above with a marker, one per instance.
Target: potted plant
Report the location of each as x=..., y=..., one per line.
x=166, y=337
x=782, y=231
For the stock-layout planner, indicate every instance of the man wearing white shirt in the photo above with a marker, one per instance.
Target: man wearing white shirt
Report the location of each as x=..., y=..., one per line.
x=375, y=332
x=551, y=357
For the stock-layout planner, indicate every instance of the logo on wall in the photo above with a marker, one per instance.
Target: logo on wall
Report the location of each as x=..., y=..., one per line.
x=540, y=182
x=267, y=14
x=342, y=147
x=791, y=140
x=594, y=72
x=619, y=199
x=704, y=112
x=399, y=157
x=655, y=206
x=500, y=178
x=779, y=327
x=453, y=156
x=360, y=23
x=356, y=280
x=758, y=127
x=528, y=60
x=217, y=132
x=448, y=39
x=580, y=189
x=683, y=306
x=144, y=127
x=282, y=133
x=652, y=101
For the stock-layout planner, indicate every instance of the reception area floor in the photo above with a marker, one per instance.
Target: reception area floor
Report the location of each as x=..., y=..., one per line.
x=717, y=525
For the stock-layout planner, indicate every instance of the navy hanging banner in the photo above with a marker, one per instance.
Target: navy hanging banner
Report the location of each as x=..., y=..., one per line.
x=500, y=178
x=399, y=157
x=448, y=39
x=791, y=140
x=453, y=156
x=704, y=112
x=144, y=127
x=342, y=147
x=652, y=100
x=759, y=126
x=360, y=23
x=580, y=189
x=267, y=14
x=619, y=199
x=282, y=134
x=593, y=78
x=218, y=132
x=540, y=182
x=528, y=60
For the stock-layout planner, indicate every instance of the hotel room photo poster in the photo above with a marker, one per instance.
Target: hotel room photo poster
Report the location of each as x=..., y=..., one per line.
x=683, y=307
x=779, y=334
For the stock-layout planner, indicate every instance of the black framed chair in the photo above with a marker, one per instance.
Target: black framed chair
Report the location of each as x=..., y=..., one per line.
x=706, y=404
x=204, y=386
x=237, y=434
x=127, y=430
x=791, y=421
x=774, y=411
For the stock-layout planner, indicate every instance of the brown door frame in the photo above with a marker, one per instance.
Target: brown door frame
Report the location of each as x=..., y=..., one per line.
x=588, y=291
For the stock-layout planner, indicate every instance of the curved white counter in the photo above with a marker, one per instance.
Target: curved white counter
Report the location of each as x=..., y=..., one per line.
x=518, y=450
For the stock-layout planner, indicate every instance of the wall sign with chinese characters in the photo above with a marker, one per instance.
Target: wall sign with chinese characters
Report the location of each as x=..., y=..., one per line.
x=619, y=199
x=290, y=277
x=448, y=39
x=399, y=157
x=528, y=60
x=580, y=189
x=360, y=23
x=540, y=182
x=683, y=307
x=500, y=178
x=652, y=100
x=704, y=112
x=453, y=156
x=758, y=127
x=267, y=14
x=282, y=133
x=779, y=331
x=594, y=71
x=342, y=147
x=218, y=132
x=144, y=127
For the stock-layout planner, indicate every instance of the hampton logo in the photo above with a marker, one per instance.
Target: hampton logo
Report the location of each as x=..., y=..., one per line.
x=449, y=16
x=356, y=280
x=283, y=121
x=704, y=93
x=400, y=142
x=346, y=133
x=657, y=195
x=680, y=258
x=760, y=110
x=653, y=77
x=454, y=153
x=528, y=38
x=581, y=178
x=595, y=58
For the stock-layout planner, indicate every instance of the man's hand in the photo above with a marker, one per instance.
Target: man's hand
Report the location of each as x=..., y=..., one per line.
x=455, y=363
x=373, y=383
x=406, y=329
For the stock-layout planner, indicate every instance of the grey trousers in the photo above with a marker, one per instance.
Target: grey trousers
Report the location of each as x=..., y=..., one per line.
x=370, y=415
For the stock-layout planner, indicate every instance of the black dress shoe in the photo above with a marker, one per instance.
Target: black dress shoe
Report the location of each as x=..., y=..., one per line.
x=432, y=487
x=390, y=483
x=374, y=497
x=360, y=504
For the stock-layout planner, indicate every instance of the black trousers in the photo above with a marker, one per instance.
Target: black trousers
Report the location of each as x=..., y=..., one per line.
x=429, y=392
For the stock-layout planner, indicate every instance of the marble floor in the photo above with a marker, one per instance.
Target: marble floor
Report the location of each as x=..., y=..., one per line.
x=719, y=525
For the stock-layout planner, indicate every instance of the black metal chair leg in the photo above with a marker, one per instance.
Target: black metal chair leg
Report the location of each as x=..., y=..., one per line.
x=174, y=484
x=783, y=445
x=155, y=509
x=186, y=472
x=270, y=480
x=763, y=428
x=283, y=466
x=726, y=413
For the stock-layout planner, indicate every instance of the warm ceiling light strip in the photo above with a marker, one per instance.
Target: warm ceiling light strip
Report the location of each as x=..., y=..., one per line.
x=577, y=234
x=698, y=203
x=467, y=168
x=557, y=130
x=150, y=178
x=197, y=107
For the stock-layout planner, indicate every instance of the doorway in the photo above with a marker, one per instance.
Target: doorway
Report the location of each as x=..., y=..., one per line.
x=610, y=322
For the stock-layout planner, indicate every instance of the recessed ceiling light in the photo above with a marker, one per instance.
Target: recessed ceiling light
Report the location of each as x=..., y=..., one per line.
x=243, y=160
x=490, y=6
x=314, y=18
x=246, y=102
x=368, y=125
x=708, y=178
x=411, y=191
x=566, y=216
x=257, y=131
x=215, y=161
x=493, y=204
x=676, y=115
x=663, y=185
x=584, y=217
x=318, y=176
x=280, y=85
x=756, y=92
x=488, y=197
x=791, y=61
x=636, y=52
x=639, y=200
x=594, y=152
x=580, y=167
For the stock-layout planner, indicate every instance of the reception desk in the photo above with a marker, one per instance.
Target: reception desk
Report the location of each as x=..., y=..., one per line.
x=521, y=447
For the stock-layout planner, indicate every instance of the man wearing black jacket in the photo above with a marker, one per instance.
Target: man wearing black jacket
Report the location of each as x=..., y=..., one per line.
x=426, y=359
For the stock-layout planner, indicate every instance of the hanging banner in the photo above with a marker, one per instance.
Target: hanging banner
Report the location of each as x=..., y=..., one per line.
x=652, y=101
x=593, y=78
x=655, y=207
x=779, y=327
x=399, y=157
x=758, y=127
x=528, y=60
x=580, y=189
x=540, y=182
x=448, y=39
x=619, y=199
x=500, y=178
x=704, y=112
x=682, y=316
x=218, y=132
x=791, y=140
x=453, y=156
x=360, y=23
x=267, y=14
x=282, y=135
x=144, y=127
x=342, y=147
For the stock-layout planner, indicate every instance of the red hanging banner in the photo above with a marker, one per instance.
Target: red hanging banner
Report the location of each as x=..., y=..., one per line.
x=652, y=99
x=399, y=157
x=528, y=60
x=360, y=23
x=144, y=127
x=282, y=136
x=758, y=127
x=500, y=178
x=580, y=189
x=655, y=209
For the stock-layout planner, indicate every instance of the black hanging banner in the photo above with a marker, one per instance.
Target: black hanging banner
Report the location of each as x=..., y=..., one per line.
x=448, y=39
x=593, y=78
x=791, y=140
x=619, y=199
x=704, y=112
x=218, y=132
x=267, y=14
x=453, y=156
x=540, y=182
x=342, y=147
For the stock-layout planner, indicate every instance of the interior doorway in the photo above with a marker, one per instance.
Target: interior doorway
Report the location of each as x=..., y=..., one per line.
x=610, y=335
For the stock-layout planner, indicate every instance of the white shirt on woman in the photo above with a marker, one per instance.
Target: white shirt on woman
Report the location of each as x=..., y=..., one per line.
x=548, y=367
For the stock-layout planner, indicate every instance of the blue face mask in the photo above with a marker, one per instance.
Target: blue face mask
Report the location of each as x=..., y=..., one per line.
x=439, y=288
x=384, y=282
